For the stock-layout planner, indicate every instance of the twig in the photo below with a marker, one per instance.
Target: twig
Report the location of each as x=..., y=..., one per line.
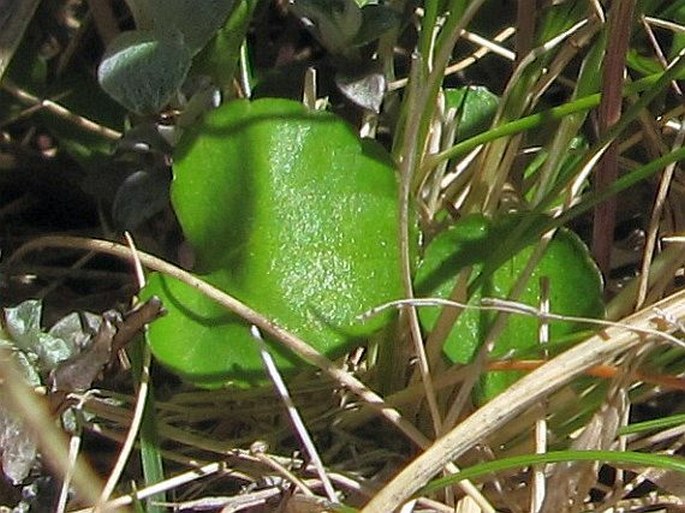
x=60, y=111
x=294, y=415
x=169, y=484
x=503, y=305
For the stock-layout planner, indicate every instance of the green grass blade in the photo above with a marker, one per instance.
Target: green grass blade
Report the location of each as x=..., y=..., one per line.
x=151, y=458
x=626, y=458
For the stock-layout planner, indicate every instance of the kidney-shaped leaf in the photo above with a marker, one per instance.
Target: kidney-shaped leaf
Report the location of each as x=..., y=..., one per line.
x=289, y=211
x=575, y=289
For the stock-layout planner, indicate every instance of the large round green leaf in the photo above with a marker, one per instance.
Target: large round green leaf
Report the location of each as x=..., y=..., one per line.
x=575, y=289
x=289, y=211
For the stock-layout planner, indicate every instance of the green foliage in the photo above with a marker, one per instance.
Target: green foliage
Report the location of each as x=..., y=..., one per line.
x=289, y=211
x=144, y=68
x=575, y=289
x=23, y=331
x=196, y=21
x=292, y=213
x=342, y=25
x=476, y=107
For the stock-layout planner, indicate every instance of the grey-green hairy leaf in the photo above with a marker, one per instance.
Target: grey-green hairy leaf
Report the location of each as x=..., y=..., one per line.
x=142, y=70
x=22, y=324
x=18, y=449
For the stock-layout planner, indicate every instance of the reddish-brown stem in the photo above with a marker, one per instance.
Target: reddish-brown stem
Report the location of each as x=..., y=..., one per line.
x=598, y=371
x=620, y=18
x=525, y=28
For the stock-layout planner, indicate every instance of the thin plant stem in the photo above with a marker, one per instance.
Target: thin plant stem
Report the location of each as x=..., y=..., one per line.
x=60, y=111
x=620, y=22
x=535, y=120
x=657, y=210
x=295, y=417
x=131, y=436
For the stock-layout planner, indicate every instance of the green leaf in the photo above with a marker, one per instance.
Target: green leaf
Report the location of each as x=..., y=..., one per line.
x=335, y=23
x=642, y=64
x=292, y=213
x=143, y=69
x=476, y=107
x=219, y=58
x=575, y=289
x=197, y=21
x=376, y=21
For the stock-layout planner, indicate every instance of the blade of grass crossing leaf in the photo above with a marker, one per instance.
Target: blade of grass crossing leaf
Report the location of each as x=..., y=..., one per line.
x=559, y=26
x=503, y=408
x=461, y=12
x=527, y=226
x=293, y=413
x=662, y=82
x=591, y=199
x=619, y=185
x=220, y=57
x=587, y=84
x=528, y=229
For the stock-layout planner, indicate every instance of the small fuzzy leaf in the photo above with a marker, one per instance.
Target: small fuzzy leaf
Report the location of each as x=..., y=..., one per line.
x=143, y=194
x=142, y=70
x=22, y=323
x=366, y=91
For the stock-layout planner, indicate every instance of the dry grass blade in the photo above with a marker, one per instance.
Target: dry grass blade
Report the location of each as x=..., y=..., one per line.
x=294, y=415
x=36, y=414
x=523, y=394
x=169, y=484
